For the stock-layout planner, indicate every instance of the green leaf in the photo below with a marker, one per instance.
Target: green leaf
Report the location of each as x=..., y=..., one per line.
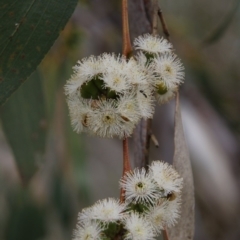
x=24, y=123
x=26, y=218
x=184, y=229
x=28, y=28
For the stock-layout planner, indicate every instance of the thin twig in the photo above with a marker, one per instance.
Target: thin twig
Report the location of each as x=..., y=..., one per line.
x=155, y=17
x=127, y=50
x=148, y=141
x=164, y=26
x=126, y=166
x=165, y=234
x=127, y=47
x=126, y=161
x=154, y=140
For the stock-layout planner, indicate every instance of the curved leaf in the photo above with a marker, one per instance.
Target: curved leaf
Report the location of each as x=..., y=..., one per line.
x=184, y=229
x=24, y=124
x=26, y=220
x=28, y=28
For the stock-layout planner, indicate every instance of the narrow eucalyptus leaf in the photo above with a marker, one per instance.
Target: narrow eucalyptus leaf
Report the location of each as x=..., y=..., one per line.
x=28, y=28
x=24, y=124
x=26, y=220
x=184, y=229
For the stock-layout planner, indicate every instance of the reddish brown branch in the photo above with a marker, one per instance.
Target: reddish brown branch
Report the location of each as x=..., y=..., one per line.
x=148, y=141
x=165, y=234
x=127, y=47
x=127, y=50
x=126, y=161
x=126, y=166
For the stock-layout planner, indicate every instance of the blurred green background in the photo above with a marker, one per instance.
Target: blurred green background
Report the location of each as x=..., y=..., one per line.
x=61, y=172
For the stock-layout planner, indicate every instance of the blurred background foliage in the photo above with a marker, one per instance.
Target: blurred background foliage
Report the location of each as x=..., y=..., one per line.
x=48, y=173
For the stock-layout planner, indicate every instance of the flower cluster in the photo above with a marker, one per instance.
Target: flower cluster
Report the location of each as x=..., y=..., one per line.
x=152, y=203
x=167, y=68
x=107, y=95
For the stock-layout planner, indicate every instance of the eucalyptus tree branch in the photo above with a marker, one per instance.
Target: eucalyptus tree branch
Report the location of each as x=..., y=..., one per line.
x=138, y=25
x=155, y=17
x=139, y=22
x=127, y=50
x=127, y=47
x=149, y=133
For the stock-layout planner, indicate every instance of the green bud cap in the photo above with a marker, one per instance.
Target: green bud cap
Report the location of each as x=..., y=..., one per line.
x=111, y=94
x=149, y=56
x=92, y=89
x=95, y=89
x=161, y=88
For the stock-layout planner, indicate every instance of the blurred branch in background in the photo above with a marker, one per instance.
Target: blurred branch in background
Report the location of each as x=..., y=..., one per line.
x=218, y=32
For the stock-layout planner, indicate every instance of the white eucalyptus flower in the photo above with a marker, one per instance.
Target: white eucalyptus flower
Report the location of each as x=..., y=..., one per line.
x=169, y=70
x=166, y=177
x=89, y=67
x=116, y=80
x=164, y=213
x=80, y=111
x=88, y=231
x=115, y=76
x=166, y=96
x=146, y=66
x=152, y=44
x=112, y=61
x=105, y=121
x=85, y=215
x=155, y=215
x=84, y=71
x=136, y=74
x=145, y=99
x=139, y=187
x=107, y=210
x=138, y=228
x=128, y=108
x=172, y=210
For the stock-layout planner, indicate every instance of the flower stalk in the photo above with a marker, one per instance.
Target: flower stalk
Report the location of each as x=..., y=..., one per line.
x=127, y=47
x=126, y=166
x=163, y=23
x=165, y=234
x=127, y=50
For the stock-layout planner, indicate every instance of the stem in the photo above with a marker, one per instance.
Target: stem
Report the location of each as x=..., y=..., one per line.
x=165, y=234
x=126, y=162
x=155, y=17
x=154, y=140
x=164, y=26
x=127, y=50
x=148, y=141
x=126, y=166
x=127, y=47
